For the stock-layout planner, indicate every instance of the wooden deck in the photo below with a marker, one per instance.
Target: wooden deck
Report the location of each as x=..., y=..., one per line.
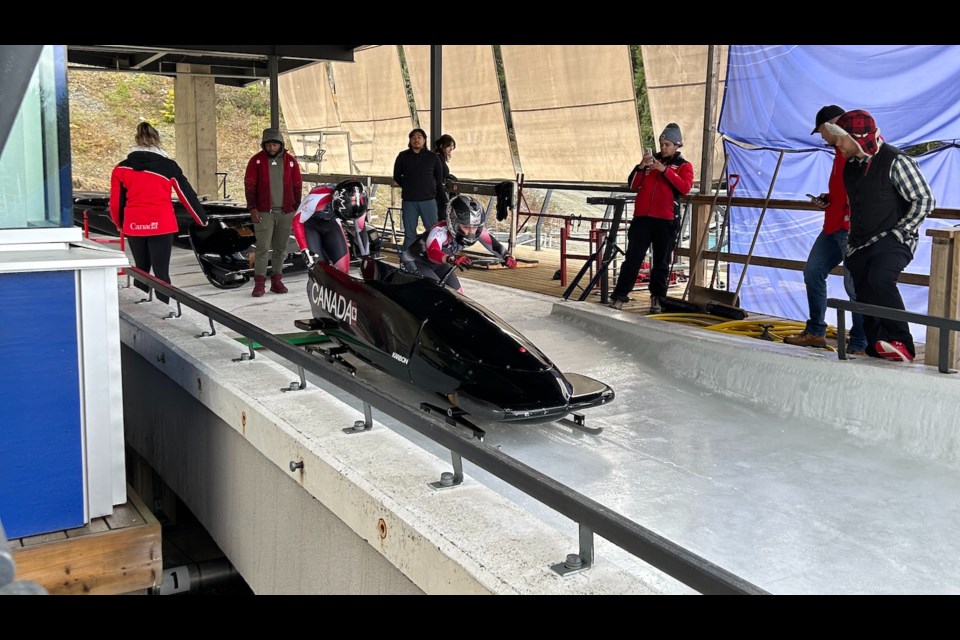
x=117, y=554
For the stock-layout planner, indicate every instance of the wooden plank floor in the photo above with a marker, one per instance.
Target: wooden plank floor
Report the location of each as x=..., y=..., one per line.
x=117, y=554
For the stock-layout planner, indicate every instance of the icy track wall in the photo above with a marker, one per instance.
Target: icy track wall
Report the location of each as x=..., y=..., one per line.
x=913, y=408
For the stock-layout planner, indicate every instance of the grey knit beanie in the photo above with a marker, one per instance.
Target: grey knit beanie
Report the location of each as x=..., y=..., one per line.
x=672, y=133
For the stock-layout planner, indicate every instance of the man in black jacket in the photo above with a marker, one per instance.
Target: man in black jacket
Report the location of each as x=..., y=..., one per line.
x=889, y=198
x=419, y=175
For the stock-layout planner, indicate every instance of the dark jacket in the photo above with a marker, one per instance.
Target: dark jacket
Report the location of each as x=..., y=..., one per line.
x=140, y=203
x=875, y=204
x=443, y=195
x=256, y=182
x=419, y=175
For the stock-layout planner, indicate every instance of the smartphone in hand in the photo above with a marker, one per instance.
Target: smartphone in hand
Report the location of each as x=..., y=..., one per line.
x=647, y=157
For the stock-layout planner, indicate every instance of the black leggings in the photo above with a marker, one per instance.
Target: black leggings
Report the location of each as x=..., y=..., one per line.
x=152, y=252
x=327, y=239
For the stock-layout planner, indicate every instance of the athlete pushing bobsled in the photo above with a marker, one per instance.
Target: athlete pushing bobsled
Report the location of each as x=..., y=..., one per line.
x=436, y=251
x=318, y=223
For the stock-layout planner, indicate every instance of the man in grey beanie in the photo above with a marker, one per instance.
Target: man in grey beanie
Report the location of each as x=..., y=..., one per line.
x=273, y=187
x=672, y=133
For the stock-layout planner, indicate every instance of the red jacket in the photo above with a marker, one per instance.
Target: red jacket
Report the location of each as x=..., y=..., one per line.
x=655, y=196
x=140, y=203
x=256, y=182
x=837, y=214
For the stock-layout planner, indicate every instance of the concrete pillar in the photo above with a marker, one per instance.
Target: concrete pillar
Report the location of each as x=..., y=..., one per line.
x=195, y=110
x=944, y=293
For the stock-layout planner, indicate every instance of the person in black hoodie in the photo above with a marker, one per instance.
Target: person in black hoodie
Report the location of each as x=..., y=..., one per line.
x=444, y=147
x=420, y=177
x=141, y=207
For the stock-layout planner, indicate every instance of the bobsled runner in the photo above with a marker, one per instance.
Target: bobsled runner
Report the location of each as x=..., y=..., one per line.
x=443, y=342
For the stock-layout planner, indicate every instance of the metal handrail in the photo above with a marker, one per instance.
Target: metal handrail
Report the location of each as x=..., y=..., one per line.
x=941, y=323
x=690, y=569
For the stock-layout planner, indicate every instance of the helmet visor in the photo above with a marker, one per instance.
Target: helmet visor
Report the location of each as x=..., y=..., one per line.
x=469, y=232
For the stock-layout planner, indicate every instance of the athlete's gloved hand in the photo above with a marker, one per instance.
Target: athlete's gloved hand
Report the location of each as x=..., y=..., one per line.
x=308, y=257
x=461, y=262
x=511, y=262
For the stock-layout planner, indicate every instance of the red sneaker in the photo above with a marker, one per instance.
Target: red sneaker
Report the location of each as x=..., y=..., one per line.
x=893, y=350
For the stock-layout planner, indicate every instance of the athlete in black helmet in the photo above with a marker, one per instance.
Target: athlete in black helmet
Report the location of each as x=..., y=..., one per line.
x=437, y=251
x=318, y=224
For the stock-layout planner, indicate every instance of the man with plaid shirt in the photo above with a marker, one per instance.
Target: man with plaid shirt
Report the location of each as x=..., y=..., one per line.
x=889, y=198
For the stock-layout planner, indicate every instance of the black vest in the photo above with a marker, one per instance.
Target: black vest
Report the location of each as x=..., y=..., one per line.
x=875, y=204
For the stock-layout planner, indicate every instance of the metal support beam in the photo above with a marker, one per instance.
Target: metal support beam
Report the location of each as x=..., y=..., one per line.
x=702, y=213
x=436, y=93
x=273, y=65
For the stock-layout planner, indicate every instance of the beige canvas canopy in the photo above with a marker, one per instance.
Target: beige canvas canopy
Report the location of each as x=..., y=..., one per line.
x=572, y=109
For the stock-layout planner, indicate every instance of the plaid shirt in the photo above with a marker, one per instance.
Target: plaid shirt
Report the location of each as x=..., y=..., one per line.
x=912, y=186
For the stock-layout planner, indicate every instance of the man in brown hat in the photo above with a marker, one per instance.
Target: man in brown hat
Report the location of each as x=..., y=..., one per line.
x=889, y=198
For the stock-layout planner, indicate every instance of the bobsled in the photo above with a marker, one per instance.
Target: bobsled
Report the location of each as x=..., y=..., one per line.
x=442, y=342
x=222, y=248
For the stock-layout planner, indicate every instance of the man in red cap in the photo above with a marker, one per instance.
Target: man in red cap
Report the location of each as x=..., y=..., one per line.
x=889, y=198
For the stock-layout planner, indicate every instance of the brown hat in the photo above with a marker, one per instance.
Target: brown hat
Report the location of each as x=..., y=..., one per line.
x=827, y=114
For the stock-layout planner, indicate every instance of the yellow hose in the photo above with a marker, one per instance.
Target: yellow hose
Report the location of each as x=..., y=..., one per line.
x=776, y=329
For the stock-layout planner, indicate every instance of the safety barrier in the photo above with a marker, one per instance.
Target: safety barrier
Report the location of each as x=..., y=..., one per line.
x=86, y=234
x=943, y=324
x=591, y=517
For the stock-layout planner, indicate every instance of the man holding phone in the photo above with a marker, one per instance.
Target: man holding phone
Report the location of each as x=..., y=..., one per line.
x=829, y=249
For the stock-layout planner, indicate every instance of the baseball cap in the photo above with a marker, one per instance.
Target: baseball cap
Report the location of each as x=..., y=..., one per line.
x=826, y=114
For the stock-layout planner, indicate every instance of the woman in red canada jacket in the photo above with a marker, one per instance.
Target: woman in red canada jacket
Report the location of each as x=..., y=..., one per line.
x=141, y=207
x=660, y=181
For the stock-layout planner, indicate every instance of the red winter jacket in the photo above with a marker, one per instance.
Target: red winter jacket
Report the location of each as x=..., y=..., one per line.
x=140, y=203
x=655, y=196
x=256, y=182
x=837, y=214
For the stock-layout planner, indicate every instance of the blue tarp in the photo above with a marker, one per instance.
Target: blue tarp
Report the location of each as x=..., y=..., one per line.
x=772, y=95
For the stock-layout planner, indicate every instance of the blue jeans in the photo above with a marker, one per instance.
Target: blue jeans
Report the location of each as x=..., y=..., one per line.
x=411, y=212
x=827, y=252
